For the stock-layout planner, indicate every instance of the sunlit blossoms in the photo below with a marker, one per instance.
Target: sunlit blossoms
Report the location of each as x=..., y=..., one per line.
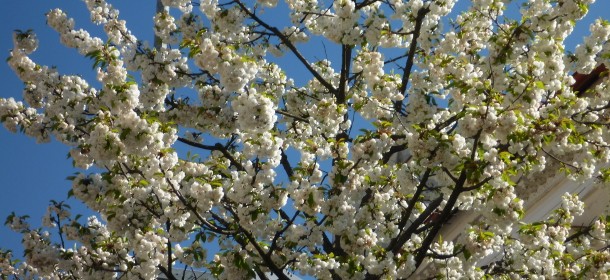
x=333, y=139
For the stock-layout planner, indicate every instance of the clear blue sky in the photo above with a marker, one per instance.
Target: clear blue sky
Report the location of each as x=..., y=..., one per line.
x=32, y=174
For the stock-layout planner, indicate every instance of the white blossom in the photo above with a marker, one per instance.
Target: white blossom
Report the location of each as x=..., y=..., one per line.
x=234, y=145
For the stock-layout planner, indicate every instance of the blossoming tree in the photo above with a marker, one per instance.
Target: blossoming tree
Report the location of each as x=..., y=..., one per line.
x=349, y=173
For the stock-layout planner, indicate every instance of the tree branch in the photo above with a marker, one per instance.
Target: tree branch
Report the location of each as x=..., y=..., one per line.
x=217, y=147
x=346, y=58
x=288, y=114
x=399, y=240
x=448, y=209
x=404, y=237
x=286, y=164
x=167, y=273
x=412, y=49
x=288, y=44
x=264, y=256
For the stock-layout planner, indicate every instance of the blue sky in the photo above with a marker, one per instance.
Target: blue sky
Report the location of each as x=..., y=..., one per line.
x=31, y=174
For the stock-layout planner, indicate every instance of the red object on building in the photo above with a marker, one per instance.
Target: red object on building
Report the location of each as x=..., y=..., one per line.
x=585, y=81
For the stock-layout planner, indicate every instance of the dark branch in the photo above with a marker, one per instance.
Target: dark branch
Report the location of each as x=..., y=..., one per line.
x=412, y=49
x=288, y=44
x=217, y=147
x=346, y=58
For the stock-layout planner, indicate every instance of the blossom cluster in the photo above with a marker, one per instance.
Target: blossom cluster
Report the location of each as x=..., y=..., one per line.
x=354, y=167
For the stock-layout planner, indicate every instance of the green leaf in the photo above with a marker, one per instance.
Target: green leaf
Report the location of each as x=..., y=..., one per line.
x=9, y=219
x=506, y=178
x=467, y=254
x=111, y=215
x=310, y=200
x=505, y=156
x=548, y=138
x=499, y=211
